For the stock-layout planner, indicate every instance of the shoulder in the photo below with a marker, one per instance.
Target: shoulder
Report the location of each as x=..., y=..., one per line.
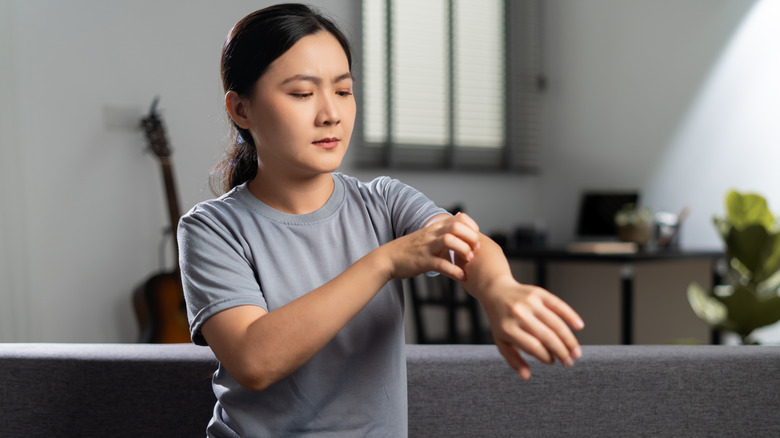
x=222, y=212
x=381, y=186
x=386, y=198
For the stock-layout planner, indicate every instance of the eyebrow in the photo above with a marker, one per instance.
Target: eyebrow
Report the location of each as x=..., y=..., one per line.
x=316, y=79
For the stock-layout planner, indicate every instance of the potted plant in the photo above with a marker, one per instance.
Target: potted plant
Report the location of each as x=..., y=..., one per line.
x=634, y=224
x=749, y=299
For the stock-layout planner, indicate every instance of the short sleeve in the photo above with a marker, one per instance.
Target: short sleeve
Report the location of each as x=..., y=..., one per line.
x=409, y=208
x=217, y=273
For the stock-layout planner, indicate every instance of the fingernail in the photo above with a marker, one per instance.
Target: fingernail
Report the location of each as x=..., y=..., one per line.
x=576, y=353
x=524, y=374
x=568, y=362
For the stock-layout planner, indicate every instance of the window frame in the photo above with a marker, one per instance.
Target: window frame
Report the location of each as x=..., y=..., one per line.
x=524, y=85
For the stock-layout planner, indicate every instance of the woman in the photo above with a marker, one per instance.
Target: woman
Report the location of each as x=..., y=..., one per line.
x=293, y=277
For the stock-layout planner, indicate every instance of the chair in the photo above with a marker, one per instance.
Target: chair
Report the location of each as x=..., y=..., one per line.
x=444, y=293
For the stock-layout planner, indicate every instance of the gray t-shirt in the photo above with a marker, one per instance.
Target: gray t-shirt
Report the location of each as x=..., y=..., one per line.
x=236, y=250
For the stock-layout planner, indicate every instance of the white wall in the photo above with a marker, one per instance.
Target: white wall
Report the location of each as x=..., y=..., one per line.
x=13, y=250
x=677, y=99
x=673, y=98
x=83, y=206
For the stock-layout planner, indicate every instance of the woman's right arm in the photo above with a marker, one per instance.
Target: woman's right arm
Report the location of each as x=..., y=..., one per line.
x=259, y=348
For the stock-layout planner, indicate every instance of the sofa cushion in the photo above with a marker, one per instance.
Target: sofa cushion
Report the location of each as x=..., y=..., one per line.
x=613, y=391
x=105, y=390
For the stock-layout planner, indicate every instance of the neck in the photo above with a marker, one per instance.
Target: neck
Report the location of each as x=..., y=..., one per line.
x=292, y=195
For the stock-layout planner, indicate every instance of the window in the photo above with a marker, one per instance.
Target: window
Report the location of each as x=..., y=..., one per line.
x=451, y=84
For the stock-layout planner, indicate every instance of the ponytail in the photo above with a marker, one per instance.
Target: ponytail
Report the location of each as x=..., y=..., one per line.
x=239, y=164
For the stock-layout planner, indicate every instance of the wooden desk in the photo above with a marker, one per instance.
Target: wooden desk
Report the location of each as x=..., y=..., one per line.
x=542, y=256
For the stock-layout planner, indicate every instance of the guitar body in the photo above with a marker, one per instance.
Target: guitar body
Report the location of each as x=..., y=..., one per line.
x=159, y=302
x=161, y=310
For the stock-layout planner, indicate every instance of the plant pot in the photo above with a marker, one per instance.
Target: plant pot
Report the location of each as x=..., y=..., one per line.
x=637, y=233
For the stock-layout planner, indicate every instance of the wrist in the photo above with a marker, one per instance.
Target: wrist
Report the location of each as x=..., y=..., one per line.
x=488, y=287
x=379, y=262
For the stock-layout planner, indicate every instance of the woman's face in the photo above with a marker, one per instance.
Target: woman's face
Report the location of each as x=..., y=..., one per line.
x=303, y=109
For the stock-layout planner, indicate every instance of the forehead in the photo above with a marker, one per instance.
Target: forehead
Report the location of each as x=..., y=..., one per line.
x=319, y=54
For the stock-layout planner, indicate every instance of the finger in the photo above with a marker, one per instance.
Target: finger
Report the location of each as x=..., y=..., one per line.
x=547, y=337
x=459, y=225
x=515, y=360
x=560, y=328
x=463, y=217
x=560, y=307
x=558, y=337
x=458, y=246
x=438, y=218
x=444, y=266
x=463, y=232
x=525, y=371
x=525, y=341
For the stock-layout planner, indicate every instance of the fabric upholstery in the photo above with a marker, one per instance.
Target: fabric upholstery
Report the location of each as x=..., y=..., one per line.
x=132, y=390
x=613, y=391
x=105, y=390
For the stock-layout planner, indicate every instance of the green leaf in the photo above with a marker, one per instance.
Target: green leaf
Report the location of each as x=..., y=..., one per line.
x=771, y=259
x=707, y=308
x=748, y=209
x=769, y=286
x=747, y=311
x=722, y=226
x=747, y=244
x=752, y=240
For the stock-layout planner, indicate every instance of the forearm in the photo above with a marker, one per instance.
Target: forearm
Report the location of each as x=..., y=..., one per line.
x=488, y=267
x=522, y=317
x=270, y=347
x=259, y=348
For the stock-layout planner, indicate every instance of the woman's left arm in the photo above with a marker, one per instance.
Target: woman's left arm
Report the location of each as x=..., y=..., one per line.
x=522, y=317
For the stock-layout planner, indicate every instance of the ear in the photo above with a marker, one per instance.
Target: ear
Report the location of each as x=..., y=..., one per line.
x=238, y=109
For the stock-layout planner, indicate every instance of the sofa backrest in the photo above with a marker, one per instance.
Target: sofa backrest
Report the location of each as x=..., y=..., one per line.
x=105, y=390
x=132, y=390
x=613, y=391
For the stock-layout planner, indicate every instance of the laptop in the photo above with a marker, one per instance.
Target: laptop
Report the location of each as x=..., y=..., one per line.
x=596, y=229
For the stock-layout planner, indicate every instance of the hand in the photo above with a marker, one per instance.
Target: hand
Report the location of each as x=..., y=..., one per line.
x=444, y=245
x=532, y=320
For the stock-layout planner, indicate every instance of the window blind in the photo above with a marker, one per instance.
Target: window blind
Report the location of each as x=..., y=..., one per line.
x=438, y=84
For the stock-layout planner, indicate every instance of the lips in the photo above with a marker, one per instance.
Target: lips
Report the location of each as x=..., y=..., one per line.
x=327, y=143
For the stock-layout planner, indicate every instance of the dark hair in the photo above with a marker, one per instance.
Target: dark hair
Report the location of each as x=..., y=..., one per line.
x=251, y=46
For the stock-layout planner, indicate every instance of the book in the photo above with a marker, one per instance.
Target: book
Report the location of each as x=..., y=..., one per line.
x=605, y=247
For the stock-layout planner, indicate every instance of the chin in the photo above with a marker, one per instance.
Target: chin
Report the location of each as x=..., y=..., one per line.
x=333, y=164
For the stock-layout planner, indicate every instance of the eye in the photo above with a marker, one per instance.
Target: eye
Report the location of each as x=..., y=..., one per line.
x=301, y=95
x=344, y=93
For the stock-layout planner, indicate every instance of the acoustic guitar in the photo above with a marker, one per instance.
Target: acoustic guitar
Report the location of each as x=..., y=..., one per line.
x=159, y=302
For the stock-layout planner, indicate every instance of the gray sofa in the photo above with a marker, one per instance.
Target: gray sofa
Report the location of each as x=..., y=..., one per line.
x=139, y=390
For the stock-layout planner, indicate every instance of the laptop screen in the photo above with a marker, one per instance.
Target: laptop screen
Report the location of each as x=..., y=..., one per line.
x=597, y=212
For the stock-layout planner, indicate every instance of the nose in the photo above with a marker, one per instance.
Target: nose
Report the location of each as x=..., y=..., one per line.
x=328, y=113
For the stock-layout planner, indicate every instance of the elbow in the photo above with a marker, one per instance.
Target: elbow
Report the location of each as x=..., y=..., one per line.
x=256, y=378
x=256, y=384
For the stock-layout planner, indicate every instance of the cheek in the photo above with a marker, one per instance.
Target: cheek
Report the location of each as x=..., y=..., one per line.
x=278, y=120
x=348, y=114
x=275, y=112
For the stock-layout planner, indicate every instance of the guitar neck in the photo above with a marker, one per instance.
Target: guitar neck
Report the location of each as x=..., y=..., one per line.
x=172, y=201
